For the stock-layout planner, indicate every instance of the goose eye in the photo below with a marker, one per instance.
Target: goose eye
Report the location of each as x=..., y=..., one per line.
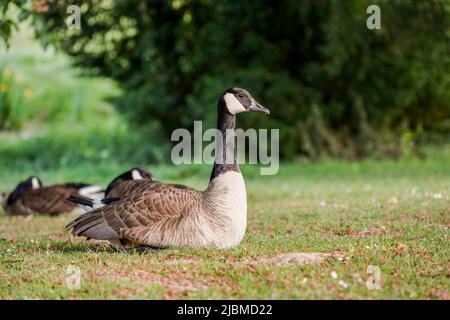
x=240, y=95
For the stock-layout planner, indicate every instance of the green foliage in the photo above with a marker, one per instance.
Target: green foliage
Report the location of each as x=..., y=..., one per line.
x=86, y=143
x=52, y=90
x=57, y=118
x=9, y=23
x=15, y=107
x=334, y=87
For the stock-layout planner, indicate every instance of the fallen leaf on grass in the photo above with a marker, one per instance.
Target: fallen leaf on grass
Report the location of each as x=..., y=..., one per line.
x=439, y=294
x=400, y=247
x=393, y=200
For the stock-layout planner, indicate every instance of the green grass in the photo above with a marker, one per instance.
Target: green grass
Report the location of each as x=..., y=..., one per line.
x=394, y=215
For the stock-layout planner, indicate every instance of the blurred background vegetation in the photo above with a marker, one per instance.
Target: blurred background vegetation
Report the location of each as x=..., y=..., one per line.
x=114, y=90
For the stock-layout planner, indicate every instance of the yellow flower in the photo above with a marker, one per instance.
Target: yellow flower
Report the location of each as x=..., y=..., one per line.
x=19, y=79
x=27, y=93
x=7, y=73
x=4, y=87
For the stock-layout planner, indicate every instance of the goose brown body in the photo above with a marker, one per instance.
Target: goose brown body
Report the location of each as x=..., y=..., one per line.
x=167, y=215
x=163, y=215
x=51, y=200
x=129, y=187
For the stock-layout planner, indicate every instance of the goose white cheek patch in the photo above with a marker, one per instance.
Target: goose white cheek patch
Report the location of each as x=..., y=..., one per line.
x=136, y=175
x=233, y=104
x=35, y=183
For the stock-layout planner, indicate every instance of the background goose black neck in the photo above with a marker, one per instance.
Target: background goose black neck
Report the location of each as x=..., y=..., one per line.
x=225, y=120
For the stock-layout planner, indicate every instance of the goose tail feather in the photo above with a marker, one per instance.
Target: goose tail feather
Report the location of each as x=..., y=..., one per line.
x=92, y=191
x=92, y=225
x=88, y=204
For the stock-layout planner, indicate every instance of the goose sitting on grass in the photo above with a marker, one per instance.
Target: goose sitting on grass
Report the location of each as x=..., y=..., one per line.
x=127, y=183
x=30, y=197
x=167, y=215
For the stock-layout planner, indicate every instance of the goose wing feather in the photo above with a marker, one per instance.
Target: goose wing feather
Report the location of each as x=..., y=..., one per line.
x=49, y=200
x=129, y=187
x=158, y=203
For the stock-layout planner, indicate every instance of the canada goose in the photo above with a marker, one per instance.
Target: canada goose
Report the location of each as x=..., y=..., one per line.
x=122, y=186
x=167, y=215
x=125, y=184
x=30, y=197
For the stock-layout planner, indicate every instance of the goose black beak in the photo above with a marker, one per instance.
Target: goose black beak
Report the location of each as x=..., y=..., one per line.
x=258, y=108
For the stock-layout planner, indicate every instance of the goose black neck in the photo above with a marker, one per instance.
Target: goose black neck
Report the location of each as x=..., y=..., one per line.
x=226, y=150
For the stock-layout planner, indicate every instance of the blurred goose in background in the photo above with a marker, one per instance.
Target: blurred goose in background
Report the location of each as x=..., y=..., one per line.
x=127, y=183
x=30, y=197
x=168, y=215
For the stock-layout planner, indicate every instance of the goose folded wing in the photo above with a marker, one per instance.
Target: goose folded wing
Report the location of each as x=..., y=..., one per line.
x=47, y=201
x=161, y=203
x=129, y=187
x=59, y=202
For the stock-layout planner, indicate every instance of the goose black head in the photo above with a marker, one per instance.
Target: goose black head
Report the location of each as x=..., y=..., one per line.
x=137, y=173
x=29, y=184
x=238, y=100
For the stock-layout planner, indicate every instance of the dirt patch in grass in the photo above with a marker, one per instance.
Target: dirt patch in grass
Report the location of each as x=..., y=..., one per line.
x=295, y=258
x=177, y=284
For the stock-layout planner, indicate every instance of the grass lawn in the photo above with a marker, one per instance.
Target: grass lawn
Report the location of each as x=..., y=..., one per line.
x=394, y=215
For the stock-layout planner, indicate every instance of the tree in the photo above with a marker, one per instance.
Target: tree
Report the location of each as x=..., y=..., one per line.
x=334, y=86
